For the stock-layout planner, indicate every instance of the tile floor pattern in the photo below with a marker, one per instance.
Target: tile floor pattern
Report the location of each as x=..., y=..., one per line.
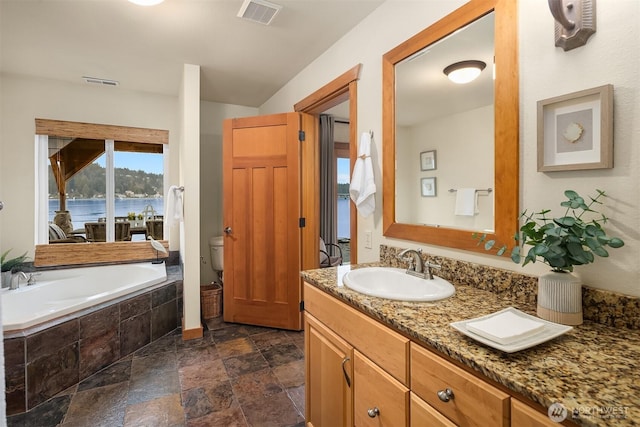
x=236, y=375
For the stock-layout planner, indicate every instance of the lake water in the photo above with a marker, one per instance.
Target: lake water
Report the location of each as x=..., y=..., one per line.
x=344, y=224
x=89, y=210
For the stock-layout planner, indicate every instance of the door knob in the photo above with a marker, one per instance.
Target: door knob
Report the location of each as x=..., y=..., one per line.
x=373, y=412
x=228, y=230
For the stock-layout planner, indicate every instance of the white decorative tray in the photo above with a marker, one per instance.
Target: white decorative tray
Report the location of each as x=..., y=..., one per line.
x=549, y=331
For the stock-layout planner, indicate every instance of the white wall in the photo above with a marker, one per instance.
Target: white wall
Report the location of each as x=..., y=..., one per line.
x=24, y=99
x=464, y=158
x=545, y=71
x=211, y=117
x=189, y=160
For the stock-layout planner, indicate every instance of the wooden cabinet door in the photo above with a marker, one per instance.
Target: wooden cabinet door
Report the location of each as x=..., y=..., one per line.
x=525, y=416
x=328, y=376
x=379, y=399
x=422, y=415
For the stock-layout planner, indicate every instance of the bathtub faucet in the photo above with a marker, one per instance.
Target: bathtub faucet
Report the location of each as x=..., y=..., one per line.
x=15, y=279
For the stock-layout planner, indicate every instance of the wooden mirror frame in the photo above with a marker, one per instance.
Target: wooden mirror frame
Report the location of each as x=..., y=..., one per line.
x=506, y=118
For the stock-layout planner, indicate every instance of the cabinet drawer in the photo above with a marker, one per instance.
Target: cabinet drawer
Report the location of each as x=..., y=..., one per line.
x=386, y=348
x=375, y=390
x=525, y=416
x=424, y=415
x=474, y=402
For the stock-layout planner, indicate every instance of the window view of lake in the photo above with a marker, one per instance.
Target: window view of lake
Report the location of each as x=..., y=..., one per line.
x=89, y=210
x=343, y=218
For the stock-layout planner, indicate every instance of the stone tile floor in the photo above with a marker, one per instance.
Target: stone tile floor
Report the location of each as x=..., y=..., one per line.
x=236, y=375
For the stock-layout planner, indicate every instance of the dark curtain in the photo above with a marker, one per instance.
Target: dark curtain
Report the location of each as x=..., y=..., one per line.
x=328, y=198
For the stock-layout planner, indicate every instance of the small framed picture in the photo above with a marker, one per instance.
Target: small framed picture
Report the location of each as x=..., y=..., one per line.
x=428, y=160
x=575, y=131
x=428, y=186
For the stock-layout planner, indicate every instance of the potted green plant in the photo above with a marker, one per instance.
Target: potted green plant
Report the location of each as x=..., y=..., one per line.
x=6, y=265
x=575, y=238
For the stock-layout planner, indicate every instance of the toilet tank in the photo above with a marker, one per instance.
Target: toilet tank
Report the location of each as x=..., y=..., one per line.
x=216, y=246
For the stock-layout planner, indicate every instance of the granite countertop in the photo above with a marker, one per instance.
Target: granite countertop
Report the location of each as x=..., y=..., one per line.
x=591, y=370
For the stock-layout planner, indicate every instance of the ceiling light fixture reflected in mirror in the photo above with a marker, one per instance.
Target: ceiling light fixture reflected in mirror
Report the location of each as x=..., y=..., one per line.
x=146, y=2
x=464, y=71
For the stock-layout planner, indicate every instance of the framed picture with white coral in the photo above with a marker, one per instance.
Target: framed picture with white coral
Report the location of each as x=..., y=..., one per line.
x=575, y=131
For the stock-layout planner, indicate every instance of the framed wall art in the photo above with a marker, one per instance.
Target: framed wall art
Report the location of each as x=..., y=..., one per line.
x=575, y=131
x=428, y=187
x=428, y=160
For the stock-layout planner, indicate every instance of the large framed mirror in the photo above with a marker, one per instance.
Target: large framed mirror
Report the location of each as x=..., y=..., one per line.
x=441, y=137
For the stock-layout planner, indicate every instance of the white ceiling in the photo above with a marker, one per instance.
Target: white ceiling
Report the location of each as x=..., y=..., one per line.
x=424, y=93
x=144, y=48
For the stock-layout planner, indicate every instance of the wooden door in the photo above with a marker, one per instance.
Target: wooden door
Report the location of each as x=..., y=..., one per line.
x=328, y=376
x=261, y=217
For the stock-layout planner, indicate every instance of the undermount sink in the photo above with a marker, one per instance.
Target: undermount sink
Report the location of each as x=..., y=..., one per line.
x=396, y=284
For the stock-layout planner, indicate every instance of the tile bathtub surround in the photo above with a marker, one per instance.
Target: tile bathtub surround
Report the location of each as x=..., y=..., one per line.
x=46, y=361
x=235, y=375
x=600, y=306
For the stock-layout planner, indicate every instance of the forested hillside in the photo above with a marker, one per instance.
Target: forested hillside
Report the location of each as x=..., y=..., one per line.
x=90, y=182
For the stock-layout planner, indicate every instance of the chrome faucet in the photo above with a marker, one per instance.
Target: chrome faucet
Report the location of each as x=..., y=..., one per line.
x=417, y=267
x=16, y=276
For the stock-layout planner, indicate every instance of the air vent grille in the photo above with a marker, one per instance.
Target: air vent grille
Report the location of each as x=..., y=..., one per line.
x=97, y=81
x=260, y=11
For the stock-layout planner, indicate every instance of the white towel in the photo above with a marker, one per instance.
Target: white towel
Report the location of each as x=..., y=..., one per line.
x=174, y=210
x=363, y=187
x=466, y=202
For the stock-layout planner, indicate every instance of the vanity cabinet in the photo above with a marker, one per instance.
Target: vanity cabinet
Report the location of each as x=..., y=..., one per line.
x=422, y=414
x=460, y=396
x=361, y=372
x=379, y=399
x=329, y=369
x=524, y=416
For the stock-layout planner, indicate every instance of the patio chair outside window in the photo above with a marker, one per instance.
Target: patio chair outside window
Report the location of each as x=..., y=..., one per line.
x=57, y=235
x=327, y=259
x=97, y=231
x=155, y=229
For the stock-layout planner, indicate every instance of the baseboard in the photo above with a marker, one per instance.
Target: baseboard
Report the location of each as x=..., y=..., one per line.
x=191, y=334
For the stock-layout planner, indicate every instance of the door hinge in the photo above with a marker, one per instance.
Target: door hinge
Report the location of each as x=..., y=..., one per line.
x=301, y=135
x=302, y=222
x=301, y=305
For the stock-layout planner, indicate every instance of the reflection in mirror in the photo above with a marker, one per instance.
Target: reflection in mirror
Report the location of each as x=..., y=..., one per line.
x=444, y=130
x=430, y=148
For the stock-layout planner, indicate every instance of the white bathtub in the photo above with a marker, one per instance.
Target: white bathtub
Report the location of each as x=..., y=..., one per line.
x=61, y=292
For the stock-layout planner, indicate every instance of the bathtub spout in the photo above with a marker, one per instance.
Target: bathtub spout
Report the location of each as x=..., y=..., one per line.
x=15, y=279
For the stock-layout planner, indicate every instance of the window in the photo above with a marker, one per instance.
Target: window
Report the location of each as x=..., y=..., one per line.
x=91, y=181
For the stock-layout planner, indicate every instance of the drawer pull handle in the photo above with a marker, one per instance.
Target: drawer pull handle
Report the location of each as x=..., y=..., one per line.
x=373, y=412
x=344, y=371
x=445, y=395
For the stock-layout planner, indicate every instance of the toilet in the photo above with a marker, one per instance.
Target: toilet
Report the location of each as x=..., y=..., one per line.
x=216, y=246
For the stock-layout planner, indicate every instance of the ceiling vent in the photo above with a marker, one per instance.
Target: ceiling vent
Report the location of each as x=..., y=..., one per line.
x=97, y=81
x=260, y=11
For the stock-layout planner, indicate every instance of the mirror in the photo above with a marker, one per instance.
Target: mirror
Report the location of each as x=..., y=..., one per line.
x=420, y=168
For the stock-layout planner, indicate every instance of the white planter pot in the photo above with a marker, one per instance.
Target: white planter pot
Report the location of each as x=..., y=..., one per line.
x=6, y=279
x=560, y=298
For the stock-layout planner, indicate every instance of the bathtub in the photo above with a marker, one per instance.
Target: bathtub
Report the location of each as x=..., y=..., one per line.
x=61, y=292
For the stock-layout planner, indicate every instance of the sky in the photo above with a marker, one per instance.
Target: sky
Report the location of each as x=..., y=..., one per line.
x=343, y=171
x=148, y=162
